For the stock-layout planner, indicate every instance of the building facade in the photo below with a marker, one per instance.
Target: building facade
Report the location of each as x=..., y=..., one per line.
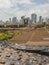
x=40, y=19
x=33, y=18
x=14, y=20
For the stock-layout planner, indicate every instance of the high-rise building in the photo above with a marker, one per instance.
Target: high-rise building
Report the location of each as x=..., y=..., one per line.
x=1, y=22
x=33, y=18
x=9, y=19
x=14, y=20
x=22, y=17
x=40, y=19
x=24, y=20
x=47, y=19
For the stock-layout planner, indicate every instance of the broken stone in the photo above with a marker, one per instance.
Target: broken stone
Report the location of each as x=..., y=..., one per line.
x=0, y=51
x=44, y=60
x=12, y=63
x=8, y=55
x=0, y=54
x=2, y=61
x=47, y=64
x=18, y=51
x=39, y=63
x=19, y=58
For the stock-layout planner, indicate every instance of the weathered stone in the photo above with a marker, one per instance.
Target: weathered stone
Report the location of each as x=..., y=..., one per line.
x=8, y=55
x=11, y=63
x=23, y=57
x=27, y=63
x=19, y=58
x=0, y=54
x=2, y=61
x=39, y=63
x=0, y=51
x=18, y=51
x=44, y=60
x=48, y=64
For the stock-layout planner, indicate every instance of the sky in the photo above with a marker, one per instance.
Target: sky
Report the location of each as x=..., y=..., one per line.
x=18, y=8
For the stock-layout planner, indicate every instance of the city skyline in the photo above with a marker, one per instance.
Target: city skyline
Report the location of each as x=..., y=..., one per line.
x=11, y=8
x=33, y=18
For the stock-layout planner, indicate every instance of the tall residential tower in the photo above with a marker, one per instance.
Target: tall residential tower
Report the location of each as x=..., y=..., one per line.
x=33, y=18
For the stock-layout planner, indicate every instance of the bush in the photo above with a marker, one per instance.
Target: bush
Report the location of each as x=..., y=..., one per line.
x=4, y=36
x=17, y=33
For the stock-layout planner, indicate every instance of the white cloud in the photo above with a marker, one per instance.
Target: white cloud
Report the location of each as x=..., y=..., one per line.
x=23, y=1
x=9, y=8
x=5, y=3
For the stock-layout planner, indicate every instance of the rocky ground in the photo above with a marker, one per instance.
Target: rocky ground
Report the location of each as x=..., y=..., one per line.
x=9, y=56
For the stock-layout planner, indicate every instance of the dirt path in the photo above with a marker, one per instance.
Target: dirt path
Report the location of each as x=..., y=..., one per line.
x=24, y=37
x=40, y=43
x=39, y=35
x=33, y=37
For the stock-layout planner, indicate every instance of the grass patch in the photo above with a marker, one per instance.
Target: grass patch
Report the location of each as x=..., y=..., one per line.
x=17, y=33
x=4, y=36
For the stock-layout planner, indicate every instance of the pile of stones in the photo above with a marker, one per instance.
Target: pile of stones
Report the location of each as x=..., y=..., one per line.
x=10, y=56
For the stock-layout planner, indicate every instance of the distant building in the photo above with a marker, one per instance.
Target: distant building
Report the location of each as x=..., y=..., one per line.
x=21, y=23
x=9, y=19
x=33, y=18
x=22, y=17
x=40, y=19
x=1, y=23
x=29, y=21
x=24, y=20
x=47, y=19
x=14, y=20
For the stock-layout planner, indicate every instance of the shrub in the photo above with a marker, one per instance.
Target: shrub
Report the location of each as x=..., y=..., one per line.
x=17, y=33
x=4, y=36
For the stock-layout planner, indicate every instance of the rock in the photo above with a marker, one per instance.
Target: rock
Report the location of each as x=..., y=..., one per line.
x=8, y=49
x=0, y=54
x=48, y=64
x=19, y=58
x=31, y=60
x=34, y=59
x=0, y=51
x=44, y=60
x=39, y=63
x=18, y=51
x=27, y=63
x=8, y=55
x=12, y=63
x=23, y=64
x=24, y=56
x=2, y=61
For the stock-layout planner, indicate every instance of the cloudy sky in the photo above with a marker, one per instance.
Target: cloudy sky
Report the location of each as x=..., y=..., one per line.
x=10, y=8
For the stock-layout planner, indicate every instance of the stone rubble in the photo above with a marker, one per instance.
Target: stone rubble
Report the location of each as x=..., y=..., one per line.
x=10, y=56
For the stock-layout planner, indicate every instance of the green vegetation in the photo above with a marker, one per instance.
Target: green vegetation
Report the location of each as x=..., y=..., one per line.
x=17, y=33
x=4, y=36
x=44, y=23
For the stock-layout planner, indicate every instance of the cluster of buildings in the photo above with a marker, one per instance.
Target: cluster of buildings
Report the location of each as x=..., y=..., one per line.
x=24, y=21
